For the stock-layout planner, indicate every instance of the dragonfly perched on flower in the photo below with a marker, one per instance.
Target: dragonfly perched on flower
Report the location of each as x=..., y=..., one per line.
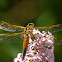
x=27, y=31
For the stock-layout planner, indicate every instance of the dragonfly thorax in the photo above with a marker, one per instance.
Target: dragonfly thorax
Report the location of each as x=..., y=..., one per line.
x=29, y=28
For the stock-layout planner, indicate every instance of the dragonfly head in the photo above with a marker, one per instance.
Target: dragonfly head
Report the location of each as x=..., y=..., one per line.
x=30, y=25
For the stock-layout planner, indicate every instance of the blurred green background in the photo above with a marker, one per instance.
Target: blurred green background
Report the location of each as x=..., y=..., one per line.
x=21, y=12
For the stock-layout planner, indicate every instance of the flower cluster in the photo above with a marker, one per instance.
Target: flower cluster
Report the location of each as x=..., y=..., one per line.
x=39, y=50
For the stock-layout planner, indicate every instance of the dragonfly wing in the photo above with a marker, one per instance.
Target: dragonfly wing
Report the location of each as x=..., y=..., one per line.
x=11, y=28
x=14, y=34
x=56, y=30
x=58, y=36
x=11, y=37
x=52, y=29
x=57, y=41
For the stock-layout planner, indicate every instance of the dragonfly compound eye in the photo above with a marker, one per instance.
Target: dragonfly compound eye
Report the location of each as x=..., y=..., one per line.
x=31, y=24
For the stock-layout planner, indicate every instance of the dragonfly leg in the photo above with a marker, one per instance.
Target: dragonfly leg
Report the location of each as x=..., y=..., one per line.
x=14, y=34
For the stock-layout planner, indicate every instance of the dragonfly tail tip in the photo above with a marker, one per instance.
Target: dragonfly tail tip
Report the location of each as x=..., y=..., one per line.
x=24, y=52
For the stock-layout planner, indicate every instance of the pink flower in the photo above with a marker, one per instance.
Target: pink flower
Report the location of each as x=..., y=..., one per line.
x=39, y=50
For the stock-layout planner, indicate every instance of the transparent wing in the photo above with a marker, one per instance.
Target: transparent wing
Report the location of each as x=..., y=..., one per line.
x=14, y=34
x=58, y=36
x=52, y=29
x=11, y=36
x=56, y=30
x=11, y=28
x=11, y=43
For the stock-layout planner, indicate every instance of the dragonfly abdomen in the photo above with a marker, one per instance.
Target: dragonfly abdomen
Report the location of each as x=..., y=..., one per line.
x=25, y=45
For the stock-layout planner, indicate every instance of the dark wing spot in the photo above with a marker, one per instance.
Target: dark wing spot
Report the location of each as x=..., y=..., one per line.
x=19, y=34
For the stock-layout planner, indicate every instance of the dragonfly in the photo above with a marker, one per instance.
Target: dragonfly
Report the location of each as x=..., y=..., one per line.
x=26, y=31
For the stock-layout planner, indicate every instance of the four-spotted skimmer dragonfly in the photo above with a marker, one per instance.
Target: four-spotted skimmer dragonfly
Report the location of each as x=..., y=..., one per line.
x=28, y=30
